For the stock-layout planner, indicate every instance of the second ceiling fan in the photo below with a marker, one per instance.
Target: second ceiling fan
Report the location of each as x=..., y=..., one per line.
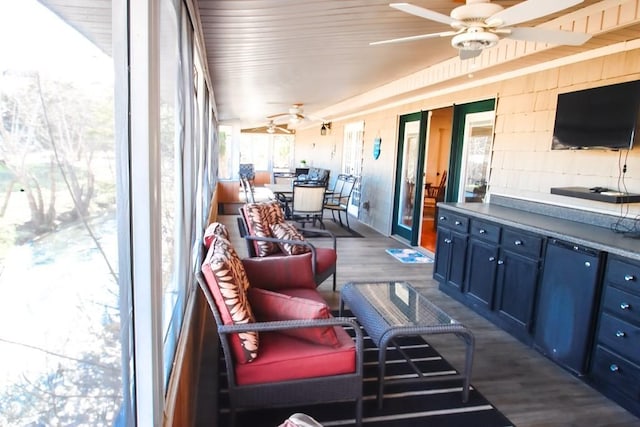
x=480, y=24
x=295, y=114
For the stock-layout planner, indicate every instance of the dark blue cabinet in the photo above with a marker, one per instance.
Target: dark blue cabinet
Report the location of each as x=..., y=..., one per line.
x=615, y=368
x=451, y=249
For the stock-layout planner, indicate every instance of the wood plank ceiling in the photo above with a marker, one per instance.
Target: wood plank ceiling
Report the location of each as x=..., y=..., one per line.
x=264, y=55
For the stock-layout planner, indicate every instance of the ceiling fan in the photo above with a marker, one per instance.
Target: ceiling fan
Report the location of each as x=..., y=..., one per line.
x=271, y=127
x=480, y=24
x=295, y=114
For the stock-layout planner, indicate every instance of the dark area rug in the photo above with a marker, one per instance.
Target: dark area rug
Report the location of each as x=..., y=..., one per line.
x=421, y=404
x=339, y=231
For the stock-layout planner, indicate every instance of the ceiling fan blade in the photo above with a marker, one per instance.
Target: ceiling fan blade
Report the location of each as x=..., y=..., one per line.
x=281, y=129
x=548, y=36
x=275, y=116
x=468, y=54
x=529, y=10
x=423, y=13
x=419, y=37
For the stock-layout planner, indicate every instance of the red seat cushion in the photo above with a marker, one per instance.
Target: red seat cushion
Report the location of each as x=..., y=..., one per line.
x=271, y=306
x=283, y=358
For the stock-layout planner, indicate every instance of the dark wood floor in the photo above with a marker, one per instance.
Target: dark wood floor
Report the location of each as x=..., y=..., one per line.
x=524, y=385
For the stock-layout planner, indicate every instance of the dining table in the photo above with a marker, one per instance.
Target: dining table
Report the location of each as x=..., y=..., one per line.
x=285, y=189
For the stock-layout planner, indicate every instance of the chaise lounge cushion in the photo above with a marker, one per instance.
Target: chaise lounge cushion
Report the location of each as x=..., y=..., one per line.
x=283, y=357
x=258, y=217
x=228, y=283
x=272, y=306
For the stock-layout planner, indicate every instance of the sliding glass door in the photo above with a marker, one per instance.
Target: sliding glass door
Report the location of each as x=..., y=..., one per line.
x=409, y=177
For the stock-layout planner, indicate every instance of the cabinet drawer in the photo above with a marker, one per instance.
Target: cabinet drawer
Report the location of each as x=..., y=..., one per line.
x=622, y=337
x=622, y=304
x=520, y=242
x=454, y=221
x=485, y=230
x=611, y=369
x=624, y=274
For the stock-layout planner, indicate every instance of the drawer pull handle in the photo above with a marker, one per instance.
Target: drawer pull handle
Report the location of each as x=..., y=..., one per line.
x=629, y=277
x=518, y=243
x=587, y=264
x=458, y=223
x=614, y=368
x=620, y=334
x=482, y=231
x=442, y=218
x=447, y=241
x=500, y=262
x=625, y=306
x=492, y=258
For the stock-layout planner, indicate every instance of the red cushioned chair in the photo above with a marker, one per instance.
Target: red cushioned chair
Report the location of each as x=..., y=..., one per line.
x=299, y=361
x=253, y=224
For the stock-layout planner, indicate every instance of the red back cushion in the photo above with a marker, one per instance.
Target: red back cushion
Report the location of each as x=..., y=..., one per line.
x=228, y=283
x=270, y=306
x=258, y=217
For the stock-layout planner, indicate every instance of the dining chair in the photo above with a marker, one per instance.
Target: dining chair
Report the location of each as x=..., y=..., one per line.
x=340, y=202
x=307, y=204
x=247, y=188
x=433, y=196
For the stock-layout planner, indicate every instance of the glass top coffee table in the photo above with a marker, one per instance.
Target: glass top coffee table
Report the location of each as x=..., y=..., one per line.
x=388, y=310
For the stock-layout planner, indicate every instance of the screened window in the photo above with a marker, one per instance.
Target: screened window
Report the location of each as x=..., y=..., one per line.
x=60, y=301
x=267, y=152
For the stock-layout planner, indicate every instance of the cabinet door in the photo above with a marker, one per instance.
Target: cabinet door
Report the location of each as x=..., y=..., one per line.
x=442, y=255
x=481, y=272
x=516, y=290
x=450, y=257
x=566, y=304
x=457, y=260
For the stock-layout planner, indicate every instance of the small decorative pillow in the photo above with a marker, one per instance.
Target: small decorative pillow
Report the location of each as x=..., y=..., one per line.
x=259, y=216
x=271, y=306
x=288, y=231
x=228, y=284
x=214, y=229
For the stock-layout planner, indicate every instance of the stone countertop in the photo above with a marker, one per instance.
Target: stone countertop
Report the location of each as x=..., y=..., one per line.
x=595, y=237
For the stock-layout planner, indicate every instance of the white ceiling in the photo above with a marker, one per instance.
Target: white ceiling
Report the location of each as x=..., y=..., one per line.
x=264, y=55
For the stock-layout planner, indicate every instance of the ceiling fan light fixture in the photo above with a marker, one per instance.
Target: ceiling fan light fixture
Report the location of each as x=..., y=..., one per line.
x=474, y=40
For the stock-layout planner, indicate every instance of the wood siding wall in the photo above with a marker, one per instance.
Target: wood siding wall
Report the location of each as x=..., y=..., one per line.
x=523, y=164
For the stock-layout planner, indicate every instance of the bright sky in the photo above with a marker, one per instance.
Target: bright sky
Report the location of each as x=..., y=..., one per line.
x=34, y=39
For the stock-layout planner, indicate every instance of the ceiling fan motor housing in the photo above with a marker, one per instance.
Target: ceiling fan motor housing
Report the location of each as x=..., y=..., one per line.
x=474, y=40
x=475, y=11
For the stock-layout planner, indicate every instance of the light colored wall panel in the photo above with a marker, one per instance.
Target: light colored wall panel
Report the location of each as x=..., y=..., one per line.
x=523, y=164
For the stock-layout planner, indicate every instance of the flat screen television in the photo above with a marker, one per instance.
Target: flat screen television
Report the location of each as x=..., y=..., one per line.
x=604, y=118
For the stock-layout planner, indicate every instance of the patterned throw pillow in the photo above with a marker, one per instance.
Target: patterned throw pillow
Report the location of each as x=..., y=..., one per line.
x=214, y=229
x=228, y=284
x=288, y=231
x=259, y=216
